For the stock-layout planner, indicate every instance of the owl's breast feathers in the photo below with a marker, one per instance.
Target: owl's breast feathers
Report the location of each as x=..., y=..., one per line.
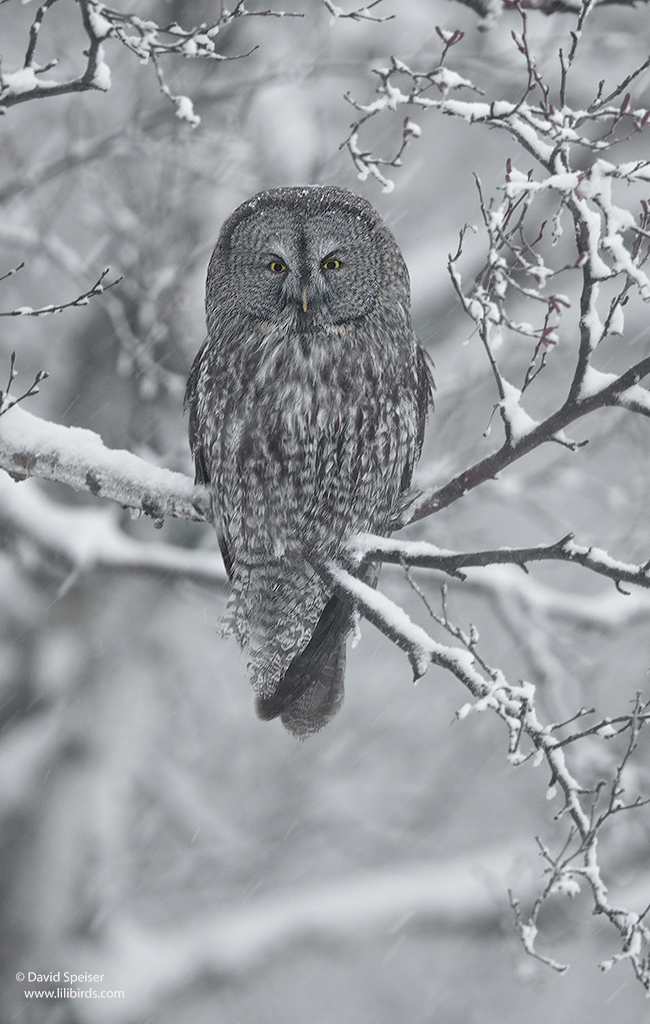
x=306, y=441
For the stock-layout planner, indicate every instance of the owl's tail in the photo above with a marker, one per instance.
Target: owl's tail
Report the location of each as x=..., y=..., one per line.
x=312, y=689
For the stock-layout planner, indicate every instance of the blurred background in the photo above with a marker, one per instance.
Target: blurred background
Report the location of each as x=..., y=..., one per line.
x=154, y=831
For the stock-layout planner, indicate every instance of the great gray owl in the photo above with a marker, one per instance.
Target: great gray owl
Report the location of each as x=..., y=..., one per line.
x=307, y=409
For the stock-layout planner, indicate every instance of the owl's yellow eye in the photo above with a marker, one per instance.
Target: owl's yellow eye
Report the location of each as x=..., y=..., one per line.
x=277, y=266
x=330, y=264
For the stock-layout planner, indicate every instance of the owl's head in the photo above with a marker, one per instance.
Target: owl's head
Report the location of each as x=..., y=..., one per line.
x=307, y=258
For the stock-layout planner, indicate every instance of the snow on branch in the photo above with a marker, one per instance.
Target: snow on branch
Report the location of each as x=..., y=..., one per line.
x=544, y=129
x=428, y=556
x=586, y=809
x=30, y=446
x=147, y=40
x=620, y=391
x=575, y=178
x=362, y=14
x=611, y=243
x=391, y=97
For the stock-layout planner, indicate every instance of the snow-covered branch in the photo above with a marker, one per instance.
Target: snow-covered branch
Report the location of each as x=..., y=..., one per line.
x=528, y=738
x=526, y=434
x=30, y=446
x=428, y=556
x=612, y=245
x=147, y=40
x=361, y=14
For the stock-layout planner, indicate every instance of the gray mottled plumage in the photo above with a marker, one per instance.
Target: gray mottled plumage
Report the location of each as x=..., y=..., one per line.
x=307, y=407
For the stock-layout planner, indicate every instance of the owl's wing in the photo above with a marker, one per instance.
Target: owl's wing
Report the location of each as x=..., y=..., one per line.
x=201, y=471
x=426, y=386
x=191, y=403
x=424, y=402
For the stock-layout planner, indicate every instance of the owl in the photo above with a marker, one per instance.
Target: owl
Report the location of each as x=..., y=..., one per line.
x=307, y=406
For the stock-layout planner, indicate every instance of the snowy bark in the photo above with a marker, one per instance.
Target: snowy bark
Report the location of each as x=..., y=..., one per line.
x=30, y=446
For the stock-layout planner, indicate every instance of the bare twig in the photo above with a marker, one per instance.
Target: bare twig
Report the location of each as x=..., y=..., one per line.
x=8, y=401
x=362, y=14
x=15, y=270
x=82, y=300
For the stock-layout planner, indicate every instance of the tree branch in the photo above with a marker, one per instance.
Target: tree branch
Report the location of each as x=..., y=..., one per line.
x=550, y=429
x=30, y=446
x=515, y=705
x=144, y=38
x=428, y=556
x=362, y=14
x=99, y=288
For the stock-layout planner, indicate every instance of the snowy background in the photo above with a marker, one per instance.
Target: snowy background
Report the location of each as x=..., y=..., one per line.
x=153, y=830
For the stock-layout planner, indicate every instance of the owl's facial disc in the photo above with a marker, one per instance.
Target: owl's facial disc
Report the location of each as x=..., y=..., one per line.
x=305, y=271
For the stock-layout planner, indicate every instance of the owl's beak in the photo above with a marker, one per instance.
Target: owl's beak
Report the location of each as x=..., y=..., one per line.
x=304, y=300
